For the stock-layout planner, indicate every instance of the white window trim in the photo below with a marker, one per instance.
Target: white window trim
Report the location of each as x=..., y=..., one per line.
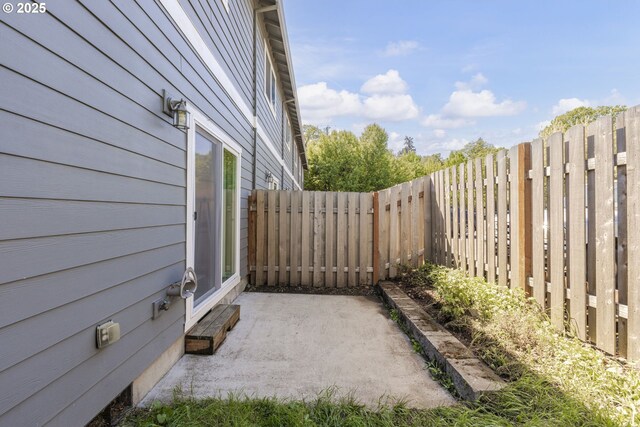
x=267, y=59
x=199, y=120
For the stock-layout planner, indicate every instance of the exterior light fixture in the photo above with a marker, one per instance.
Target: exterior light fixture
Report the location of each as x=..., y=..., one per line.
x=177, y=109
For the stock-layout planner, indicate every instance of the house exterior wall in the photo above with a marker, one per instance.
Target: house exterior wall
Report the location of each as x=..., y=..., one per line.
x=93, y=188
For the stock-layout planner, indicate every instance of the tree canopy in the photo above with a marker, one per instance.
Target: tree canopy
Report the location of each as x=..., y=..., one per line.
x=580, y=115
x=341, y=161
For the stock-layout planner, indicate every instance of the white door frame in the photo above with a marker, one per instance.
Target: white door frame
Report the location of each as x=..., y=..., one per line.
x=202, y=122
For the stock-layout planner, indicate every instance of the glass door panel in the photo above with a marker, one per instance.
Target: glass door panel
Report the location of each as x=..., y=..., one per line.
x=229, y=215
x=206, y=216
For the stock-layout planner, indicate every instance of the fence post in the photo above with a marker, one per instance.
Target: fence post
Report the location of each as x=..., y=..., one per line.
x=376, y=239
x=521, y=211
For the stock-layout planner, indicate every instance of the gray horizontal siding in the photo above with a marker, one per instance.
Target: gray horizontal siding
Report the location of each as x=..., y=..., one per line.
x=55, y=181
x=223, y=36
x=28, y=218
x=93, y=194
x=80, y=282
x=73, y=320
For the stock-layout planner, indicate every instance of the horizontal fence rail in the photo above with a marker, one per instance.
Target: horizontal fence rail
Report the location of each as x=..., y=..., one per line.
x=558, y=218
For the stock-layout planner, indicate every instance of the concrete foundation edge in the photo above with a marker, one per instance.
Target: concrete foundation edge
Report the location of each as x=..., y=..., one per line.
x=159, y=368
x=471, y=377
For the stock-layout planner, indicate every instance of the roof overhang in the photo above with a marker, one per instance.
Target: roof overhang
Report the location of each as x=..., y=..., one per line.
x=276, y=30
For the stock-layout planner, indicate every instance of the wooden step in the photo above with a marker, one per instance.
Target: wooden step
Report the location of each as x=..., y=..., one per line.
x=211, y=330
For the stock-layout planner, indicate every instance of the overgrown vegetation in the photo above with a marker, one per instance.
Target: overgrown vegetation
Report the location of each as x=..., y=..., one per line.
x=555, y=380
x=514, y=336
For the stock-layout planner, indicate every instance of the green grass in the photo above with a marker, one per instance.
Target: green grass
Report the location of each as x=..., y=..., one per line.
x=554, y=379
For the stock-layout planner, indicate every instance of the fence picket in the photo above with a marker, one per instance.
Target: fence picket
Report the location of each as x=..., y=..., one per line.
x=260, y=238
x=330, y=241
x=294, y=239
x=416, y=220
x=342, y=242
x=591, y=236
x=442, y=231
x=605, y=236
x=537, y=221
x=471, y=240
x=455, y=241
x=307, y=240
x=405, y=223
x=576, y=239
x=353, y=243
x=503, y=271
x=491, y=219
x=463, y=218
x=272, y=252
x=480, y=223
x=363, y=237
x=283, y=231
x=632, y=136
x=428, y=218
x=556, y=230
x=447, y=218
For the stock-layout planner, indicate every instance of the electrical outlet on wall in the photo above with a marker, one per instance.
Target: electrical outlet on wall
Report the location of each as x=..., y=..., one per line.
x=107, y=333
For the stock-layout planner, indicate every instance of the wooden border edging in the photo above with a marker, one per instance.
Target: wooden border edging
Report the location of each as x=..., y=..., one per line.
x=471, y=377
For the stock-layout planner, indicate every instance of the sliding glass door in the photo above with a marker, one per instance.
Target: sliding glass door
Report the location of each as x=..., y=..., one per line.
x=213, y=214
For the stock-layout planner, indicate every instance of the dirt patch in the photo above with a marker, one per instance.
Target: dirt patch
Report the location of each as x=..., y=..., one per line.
x=357, y=291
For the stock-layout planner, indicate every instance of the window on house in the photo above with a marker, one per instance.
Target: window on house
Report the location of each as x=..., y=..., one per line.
x=270, y=81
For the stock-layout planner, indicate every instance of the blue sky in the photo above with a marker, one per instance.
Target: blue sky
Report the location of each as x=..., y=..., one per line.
x=448, y=72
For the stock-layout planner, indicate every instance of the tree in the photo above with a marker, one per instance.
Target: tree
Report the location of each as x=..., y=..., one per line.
x=374, y=166
x=472, y=150
x=311, y=133
x=339, y=161
x=580, y=115
x=408, y=145
x=332, y=159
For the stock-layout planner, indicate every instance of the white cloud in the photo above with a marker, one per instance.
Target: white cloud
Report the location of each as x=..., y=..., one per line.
x=477, y=81
x=400, y=48
x=467, y=103
x=388, y=83
x=390, y=107
x=568, y=104
x=439, y=133
x=319, y=103
x=438, y=121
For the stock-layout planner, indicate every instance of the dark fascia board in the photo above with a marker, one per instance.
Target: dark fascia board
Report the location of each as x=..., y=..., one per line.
x=275, y=23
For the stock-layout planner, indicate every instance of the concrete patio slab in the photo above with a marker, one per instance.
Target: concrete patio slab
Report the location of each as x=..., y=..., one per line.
x=295, y=346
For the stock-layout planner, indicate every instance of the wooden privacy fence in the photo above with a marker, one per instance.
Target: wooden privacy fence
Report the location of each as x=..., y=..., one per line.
x=311, y=238
x=558, y=217
x=328, y=239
